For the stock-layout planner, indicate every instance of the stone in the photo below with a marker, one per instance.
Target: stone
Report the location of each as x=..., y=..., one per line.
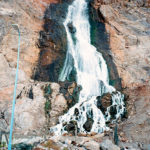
x=108, y=145
x=104, y=102
x=92, y=145
x=52, y=44
x=58, y=104
x=71, y=127
x=129, y=45
x=71, y=28
x=88, y=124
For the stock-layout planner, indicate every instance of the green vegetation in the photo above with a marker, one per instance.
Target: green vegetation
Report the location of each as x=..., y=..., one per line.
x=65, y=148
x=47, y=93
x=3, y=145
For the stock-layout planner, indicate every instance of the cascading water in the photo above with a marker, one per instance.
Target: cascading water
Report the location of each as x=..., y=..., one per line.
x=91, y=74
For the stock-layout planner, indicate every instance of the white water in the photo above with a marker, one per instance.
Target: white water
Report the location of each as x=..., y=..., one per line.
x=92, y=74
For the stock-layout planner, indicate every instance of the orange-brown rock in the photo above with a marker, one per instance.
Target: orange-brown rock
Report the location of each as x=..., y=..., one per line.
x=28, y=15
x=29, y=112
x=128, y=29
x=129, y=38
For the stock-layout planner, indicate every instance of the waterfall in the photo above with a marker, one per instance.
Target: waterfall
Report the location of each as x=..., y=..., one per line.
x=91, y=74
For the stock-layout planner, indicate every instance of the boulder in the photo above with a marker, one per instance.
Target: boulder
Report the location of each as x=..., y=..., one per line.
x=92, y=145
x=88, y=124
x=104, y=101
x=108, y=145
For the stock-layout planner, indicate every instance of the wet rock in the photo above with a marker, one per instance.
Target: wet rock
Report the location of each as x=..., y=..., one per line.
x=108, y=145
x=71, y=88
x=76, y=111
x=53, y=44
x=53, y=47
x=31, y=93
x=88, y=124
x=103, y=102
x=71, y=127
x=64, y=87
x=113, y=111
x=71, y=91
x=98, y=29
x=72, y=29
x=22, y=146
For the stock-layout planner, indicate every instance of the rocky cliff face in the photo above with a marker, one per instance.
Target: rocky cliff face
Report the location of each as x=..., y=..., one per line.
x=30, y=101
x=120, y=31
x=43, y=47
x=128, y=26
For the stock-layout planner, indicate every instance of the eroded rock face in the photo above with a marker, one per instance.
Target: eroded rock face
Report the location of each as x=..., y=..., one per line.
x=127, y=23
x=58, y=104
x=30, y=100
x=53, y=43
x=129, y=42
x=31, y=110
x=28, y=15
x=100, y=39
x=71, y=92
x=104, y=102
x=122, y=38
x=139, y=112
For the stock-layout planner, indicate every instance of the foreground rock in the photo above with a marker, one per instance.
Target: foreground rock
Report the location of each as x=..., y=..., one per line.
x=108, y=145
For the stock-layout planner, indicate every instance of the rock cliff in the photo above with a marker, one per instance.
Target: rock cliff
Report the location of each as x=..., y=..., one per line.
x=128, y=26
x=120, y=31
x=30, y=101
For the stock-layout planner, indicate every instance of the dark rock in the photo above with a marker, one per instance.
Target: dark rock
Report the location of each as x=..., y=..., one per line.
x=71, y=91
x=65, y=84
x=113, y=111
x=31, y=93
x=104, y=101
x=75, y=96
x=116, y=139
x=76, y=111
x=88, y=124
x=53, y=43
x=102, y=44
x=22, y=146
x=72, y=29
x=71, y=127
